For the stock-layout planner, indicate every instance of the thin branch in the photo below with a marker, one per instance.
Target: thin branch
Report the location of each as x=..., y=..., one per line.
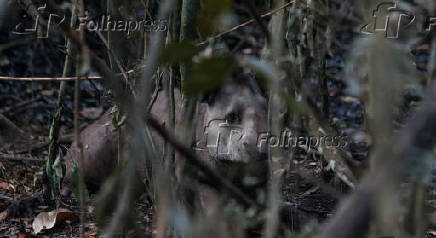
x=14, y=43
x=20, y=104
x=117, y=60
x=155, y=94
x=249, y=22
x=5, y=123
x=58, y=78
x=19, y=158
x=53, y=148
x=80, y=61
x=120, y=67
x=254, y=13
x=61, y=140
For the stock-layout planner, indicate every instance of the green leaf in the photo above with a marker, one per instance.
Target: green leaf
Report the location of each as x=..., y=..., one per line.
x=309, y=192
x=52, y=178
x=178, y=53
x=118, y=118
x=50, y=134
x=76, y=187
x=59, y=166
x=6, y=198
x=75, y=181
x=208, y=75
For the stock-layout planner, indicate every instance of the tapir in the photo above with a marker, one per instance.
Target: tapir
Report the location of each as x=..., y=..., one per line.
x=228, y=122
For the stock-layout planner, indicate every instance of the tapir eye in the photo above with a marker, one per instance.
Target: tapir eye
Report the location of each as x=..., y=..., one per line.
x=233, y=117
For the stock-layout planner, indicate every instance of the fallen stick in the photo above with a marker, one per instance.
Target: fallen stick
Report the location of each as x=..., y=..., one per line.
x=16, y=158
x=57, y=78
x=9, y=127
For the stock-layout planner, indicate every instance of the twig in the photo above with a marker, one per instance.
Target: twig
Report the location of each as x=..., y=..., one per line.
x=58, y=78
x=174, y=36
x=61, y=140
x=14, y=43
x=276, y=156
x=186, y=127
x=254, y=13
x=13, y=97
x=5, y=123
x=84, y=54
x=155, y=94
x=15, y=158
x=120, y=67
x=53, y=148
x=20, y=104
x=32, y=106
x=327, y=188
x=249, y=22
x=171, y=118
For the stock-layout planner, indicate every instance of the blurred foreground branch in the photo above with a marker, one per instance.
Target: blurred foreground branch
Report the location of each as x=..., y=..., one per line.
x=214, y=178
x=353, y=217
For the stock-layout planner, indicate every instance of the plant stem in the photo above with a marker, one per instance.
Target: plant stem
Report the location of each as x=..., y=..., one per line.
x=53, y=149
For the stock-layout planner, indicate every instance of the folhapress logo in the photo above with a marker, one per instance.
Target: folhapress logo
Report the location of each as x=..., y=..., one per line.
x=220, y=136
x=223, y=140
x=389, y=19
x=102, y=24
x=53, y=20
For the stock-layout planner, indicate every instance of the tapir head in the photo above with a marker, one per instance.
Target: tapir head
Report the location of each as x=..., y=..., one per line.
x=236, y=114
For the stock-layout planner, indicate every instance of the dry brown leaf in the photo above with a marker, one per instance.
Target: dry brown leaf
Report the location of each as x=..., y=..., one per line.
x=91, y=234
x=4, y=215
x=48, y=93
x=91, y=112
x=5, y=185
x=91, y=209
x=47, y=220
x=349, y=99
x=23, y=235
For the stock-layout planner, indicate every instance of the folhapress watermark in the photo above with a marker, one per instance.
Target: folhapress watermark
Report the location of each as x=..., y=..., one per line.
x=107, y=23
x=53, y=21
x=104, y=23
x=220, y=135
x=286, y=139
x=390, y=19
x=221, y=139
